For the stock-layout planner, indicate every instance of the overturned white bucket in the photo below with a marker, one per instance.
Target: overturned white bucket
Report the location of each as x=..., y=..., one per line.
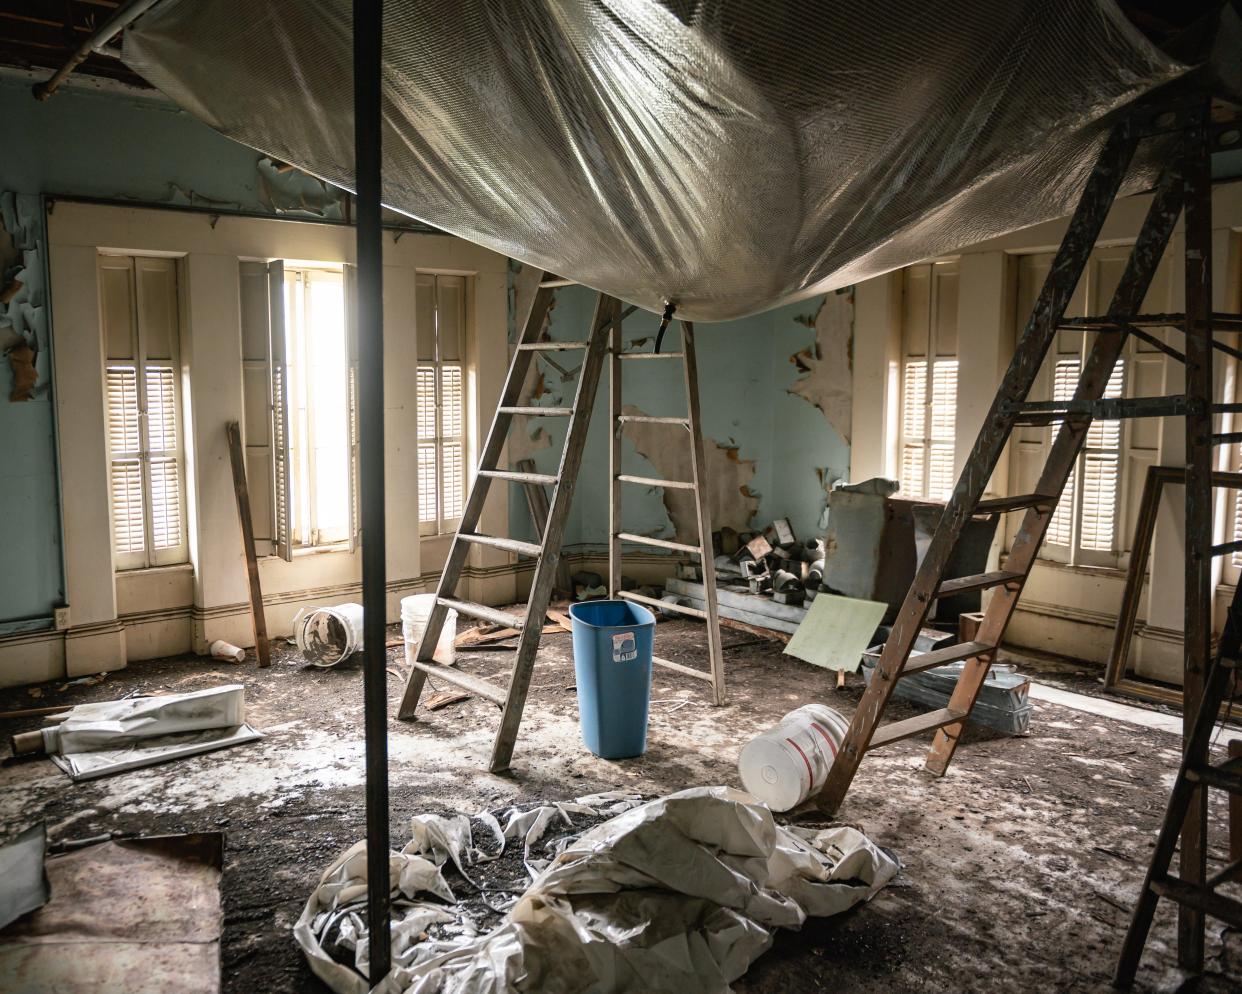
x=415, y=611
x=787, y=764
x=326, y=635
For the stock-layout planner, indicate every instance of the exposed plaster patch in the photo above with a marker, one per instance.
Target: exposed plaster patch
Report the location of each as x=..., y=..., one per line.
x=826, y=367
x=23, y=314
x=667, y=448
x=288, y=190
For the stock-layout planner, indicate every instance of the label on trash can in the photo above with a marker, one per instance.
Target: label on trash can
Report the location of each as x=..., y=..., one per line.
x=624, y=648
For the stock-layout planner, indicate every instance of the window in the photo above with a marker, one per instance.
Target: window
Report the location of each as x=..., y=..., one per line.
x=1094, y=521
x=142, y=397
x=300, y=432
x=929, y=381
x=441, y=318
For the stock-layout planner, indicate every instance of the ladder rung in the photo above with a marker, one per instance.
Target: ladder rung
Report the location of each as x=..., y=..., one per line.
x=1214, y=776
x=1226, y=547
x=508, y=544
x=659, y=543
x=980, y=581
x=649, y=419
x=1227, y=438
x=694, y=612
x=1105, y=408
x=476, y=685
x=999, y=505
x=898, y=730
x=539, y=412
x=551, y=346
x=1217, y=905
x=941, y=657
x=483, y=612
x=1219, y=318
x=648, y=481
x=515, y=477
x=668, y=664
x=555, y=282
x=651, y=355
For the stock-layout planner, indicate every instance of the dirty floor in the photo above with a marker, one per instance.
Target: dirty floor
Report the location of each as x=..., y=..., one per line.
x=1020, y=865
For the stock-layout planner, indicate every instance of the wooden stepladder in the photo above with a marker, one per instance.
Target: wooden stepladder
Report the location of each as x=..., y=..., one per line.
x=1182, y=183
x=605, y=329
x=697, y=484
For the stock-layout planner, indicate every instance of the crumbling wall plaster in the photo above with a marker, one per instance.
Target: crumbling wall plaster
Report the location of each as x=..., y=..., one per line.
x=826, y=366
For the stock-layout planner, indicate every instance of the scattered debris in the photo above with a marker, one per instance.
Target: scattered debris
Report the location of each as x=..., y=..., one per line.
x=443, y=698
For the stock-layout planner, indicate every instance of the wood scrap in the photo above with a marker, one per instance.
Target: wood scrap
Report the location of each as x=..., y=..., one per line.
x=561, y=619
x=742, y=626
x=444, y=698
x=35, y=712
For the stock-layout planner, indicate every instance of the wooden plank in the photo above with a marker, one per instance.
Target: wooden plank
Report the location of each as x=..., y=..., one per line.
x=484, y=613
x=651, y=481
x=237, y=459
x=979, y=581
x=681, y=668
x=476, y=685
x=908, y=727
x=702, y=510
x=658, y=543
x=755, y=604
x=655, y=602
x=741, y=626
x=942, y=657
x=504, y=544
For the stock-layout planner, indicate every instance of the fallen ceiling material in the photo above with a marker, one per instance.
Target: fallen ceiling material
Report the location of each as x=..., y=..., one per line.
x=676, y=894
x=132, y=915
x=725, y=155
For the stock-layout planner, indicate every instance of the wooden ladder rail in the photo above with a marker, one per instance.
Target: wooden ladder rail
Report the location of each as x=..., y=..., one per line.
x=512, y=698
x=698, y=484
x=1046, y=318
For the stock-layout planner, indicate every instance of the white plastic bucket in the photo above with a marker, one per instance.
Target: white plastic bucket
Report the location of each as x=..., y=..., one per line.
x=786, y=764
x=227, y=650
x=326, y=635
x=415, y=611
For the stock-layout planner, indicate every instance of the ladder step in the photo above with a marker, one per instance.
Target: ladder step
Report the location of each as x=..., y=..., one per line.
x=475, y=685
x=898, y=730
x=659, y=543
x=941, y=657
x=515, y=477
x=484, y=613
x=648, y=481
x=539, y=412
x=551, y=346
x=651, y=355
x=668, y=664
x=694, y=612
x=1227, y=438
x=1225, y=548
x=980, y=581
x=1217, y=905
x=1216, y=776
x=508, y=544
x=556, y=281
x=648, y=419
x=999, y=505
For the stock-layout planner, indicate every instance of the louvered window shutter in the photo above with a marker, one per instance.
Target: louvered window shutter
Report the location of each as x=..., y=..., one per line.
x=125, y=471
x=351, y=399
x=282, y=442
x=428, y=492
x=913, y=428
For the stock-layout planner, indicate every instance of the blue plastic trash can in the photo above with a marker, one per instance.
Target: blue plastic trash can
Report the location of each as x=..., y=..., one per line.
x=612, y=663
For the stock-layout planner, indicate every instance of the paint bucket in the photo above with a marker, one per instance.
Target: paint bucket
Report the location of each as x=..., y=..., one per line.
x=787, y=764
x=415, y=611
x=327, y=635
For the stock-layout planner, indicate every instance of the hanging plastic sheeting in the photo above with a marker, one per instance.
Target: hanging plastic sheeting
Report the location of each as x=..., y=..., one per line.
x=677, y=894
x=727, y=155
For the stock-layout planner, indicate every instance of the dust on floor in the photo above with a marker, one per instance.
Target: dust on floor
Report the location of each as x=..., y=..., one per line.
x=1020, y=865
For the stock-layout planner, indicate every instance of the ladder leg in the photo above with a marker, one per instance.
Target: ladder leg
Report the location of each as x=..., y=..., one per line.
x=1066, y=269
x=489, y=458
x=702, y=506
x=614, y=461
x=1127, y=299
x=1192, y=865
x=607, y=316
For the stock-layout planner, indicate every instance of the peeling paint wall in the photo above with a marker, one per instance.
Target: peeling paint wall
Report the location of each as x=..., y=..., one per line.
x=776, y=429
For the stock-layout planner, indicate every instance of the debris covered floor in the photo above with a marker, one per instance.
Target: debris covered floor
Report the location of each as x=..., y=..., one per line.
x=1020, y=866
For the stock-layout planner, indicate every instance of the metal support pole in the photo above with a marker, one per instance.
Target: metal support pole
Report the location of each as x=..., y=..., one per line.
x=1192, y=867
x=368, y=50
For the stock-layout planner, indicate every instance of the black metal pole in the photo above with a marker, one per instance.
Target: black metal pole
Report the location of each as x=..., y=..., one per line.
x=368, y=48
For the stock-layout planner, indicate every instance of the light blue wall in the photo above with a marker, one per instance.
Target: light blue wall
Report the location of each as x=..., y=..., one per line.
x=95, y=145
x=745, y=375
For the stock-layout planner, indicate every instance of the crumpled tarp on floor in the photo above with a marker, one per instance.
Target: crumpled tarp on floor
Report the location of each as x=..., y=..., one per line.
x=672, y=895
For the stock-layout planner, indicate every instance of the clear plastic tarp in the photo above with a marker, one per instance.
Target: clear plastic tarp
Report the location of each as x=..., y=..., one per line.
x=726, y=155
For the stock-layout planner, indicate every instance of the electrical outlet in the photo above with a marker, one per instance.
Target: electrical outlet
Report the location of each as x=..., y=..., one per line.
x=60, y=617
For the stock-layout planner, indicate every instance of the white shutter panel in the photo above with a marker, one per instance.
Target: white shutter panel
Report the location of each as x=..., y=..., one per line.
x=282, y=442
x=428, y=492
x=452, y=459
x=125, y=467
x=1101, y=477
x=164, y=465
x=351, y=399
x=913, y=428
x=943, y=411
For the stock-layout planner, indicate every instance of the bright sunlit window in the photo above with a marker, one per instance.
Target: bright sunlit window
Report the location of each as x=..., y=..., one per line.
x=318, y=397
